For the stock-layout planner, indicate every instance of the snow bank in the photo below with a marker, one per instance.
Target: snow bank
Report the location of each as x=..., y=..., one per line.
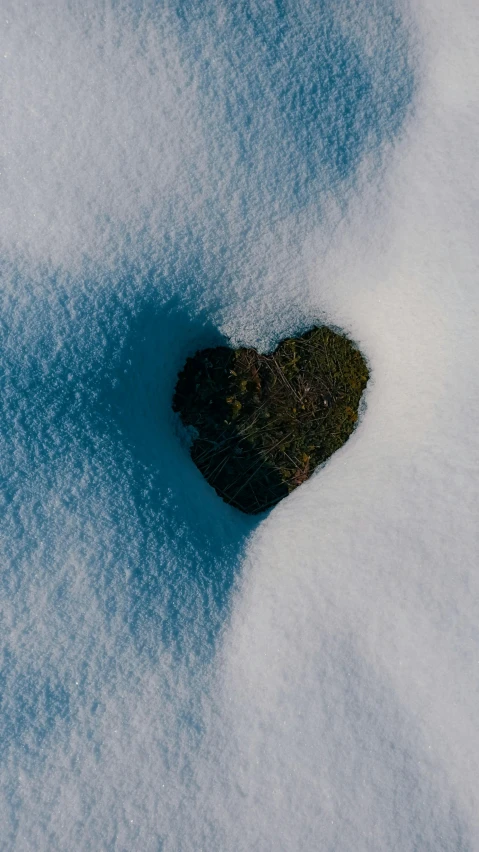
x=172, y=676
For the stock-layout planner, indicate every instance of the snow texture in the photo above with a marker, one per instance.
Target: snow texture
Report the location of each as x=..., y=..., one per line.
x=173, y=675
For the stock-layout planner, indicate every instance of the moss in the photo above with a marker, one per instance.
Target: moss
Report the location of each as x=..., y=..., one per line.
x=265, y=422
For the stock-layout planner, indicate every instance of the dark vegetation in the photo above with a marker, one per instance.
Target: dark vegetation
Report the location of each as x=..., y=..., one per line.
x=262, y=423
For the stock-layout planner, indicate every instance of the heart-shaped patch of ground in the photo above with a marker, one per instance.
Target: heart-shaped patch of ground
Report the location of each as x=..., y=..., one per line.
x=263, y=423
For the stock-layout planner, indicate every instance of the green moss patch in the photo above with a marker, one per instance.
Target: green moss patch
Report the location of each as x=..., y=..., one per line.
x=263, y=423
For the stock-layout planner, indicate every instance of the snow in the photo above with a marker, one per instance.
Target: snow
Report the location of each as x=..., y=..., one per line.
x=174, y=675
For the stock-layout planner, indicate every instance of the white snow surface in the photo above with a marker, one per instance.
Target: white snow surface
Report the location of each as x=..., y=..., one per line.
x=175, y=676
